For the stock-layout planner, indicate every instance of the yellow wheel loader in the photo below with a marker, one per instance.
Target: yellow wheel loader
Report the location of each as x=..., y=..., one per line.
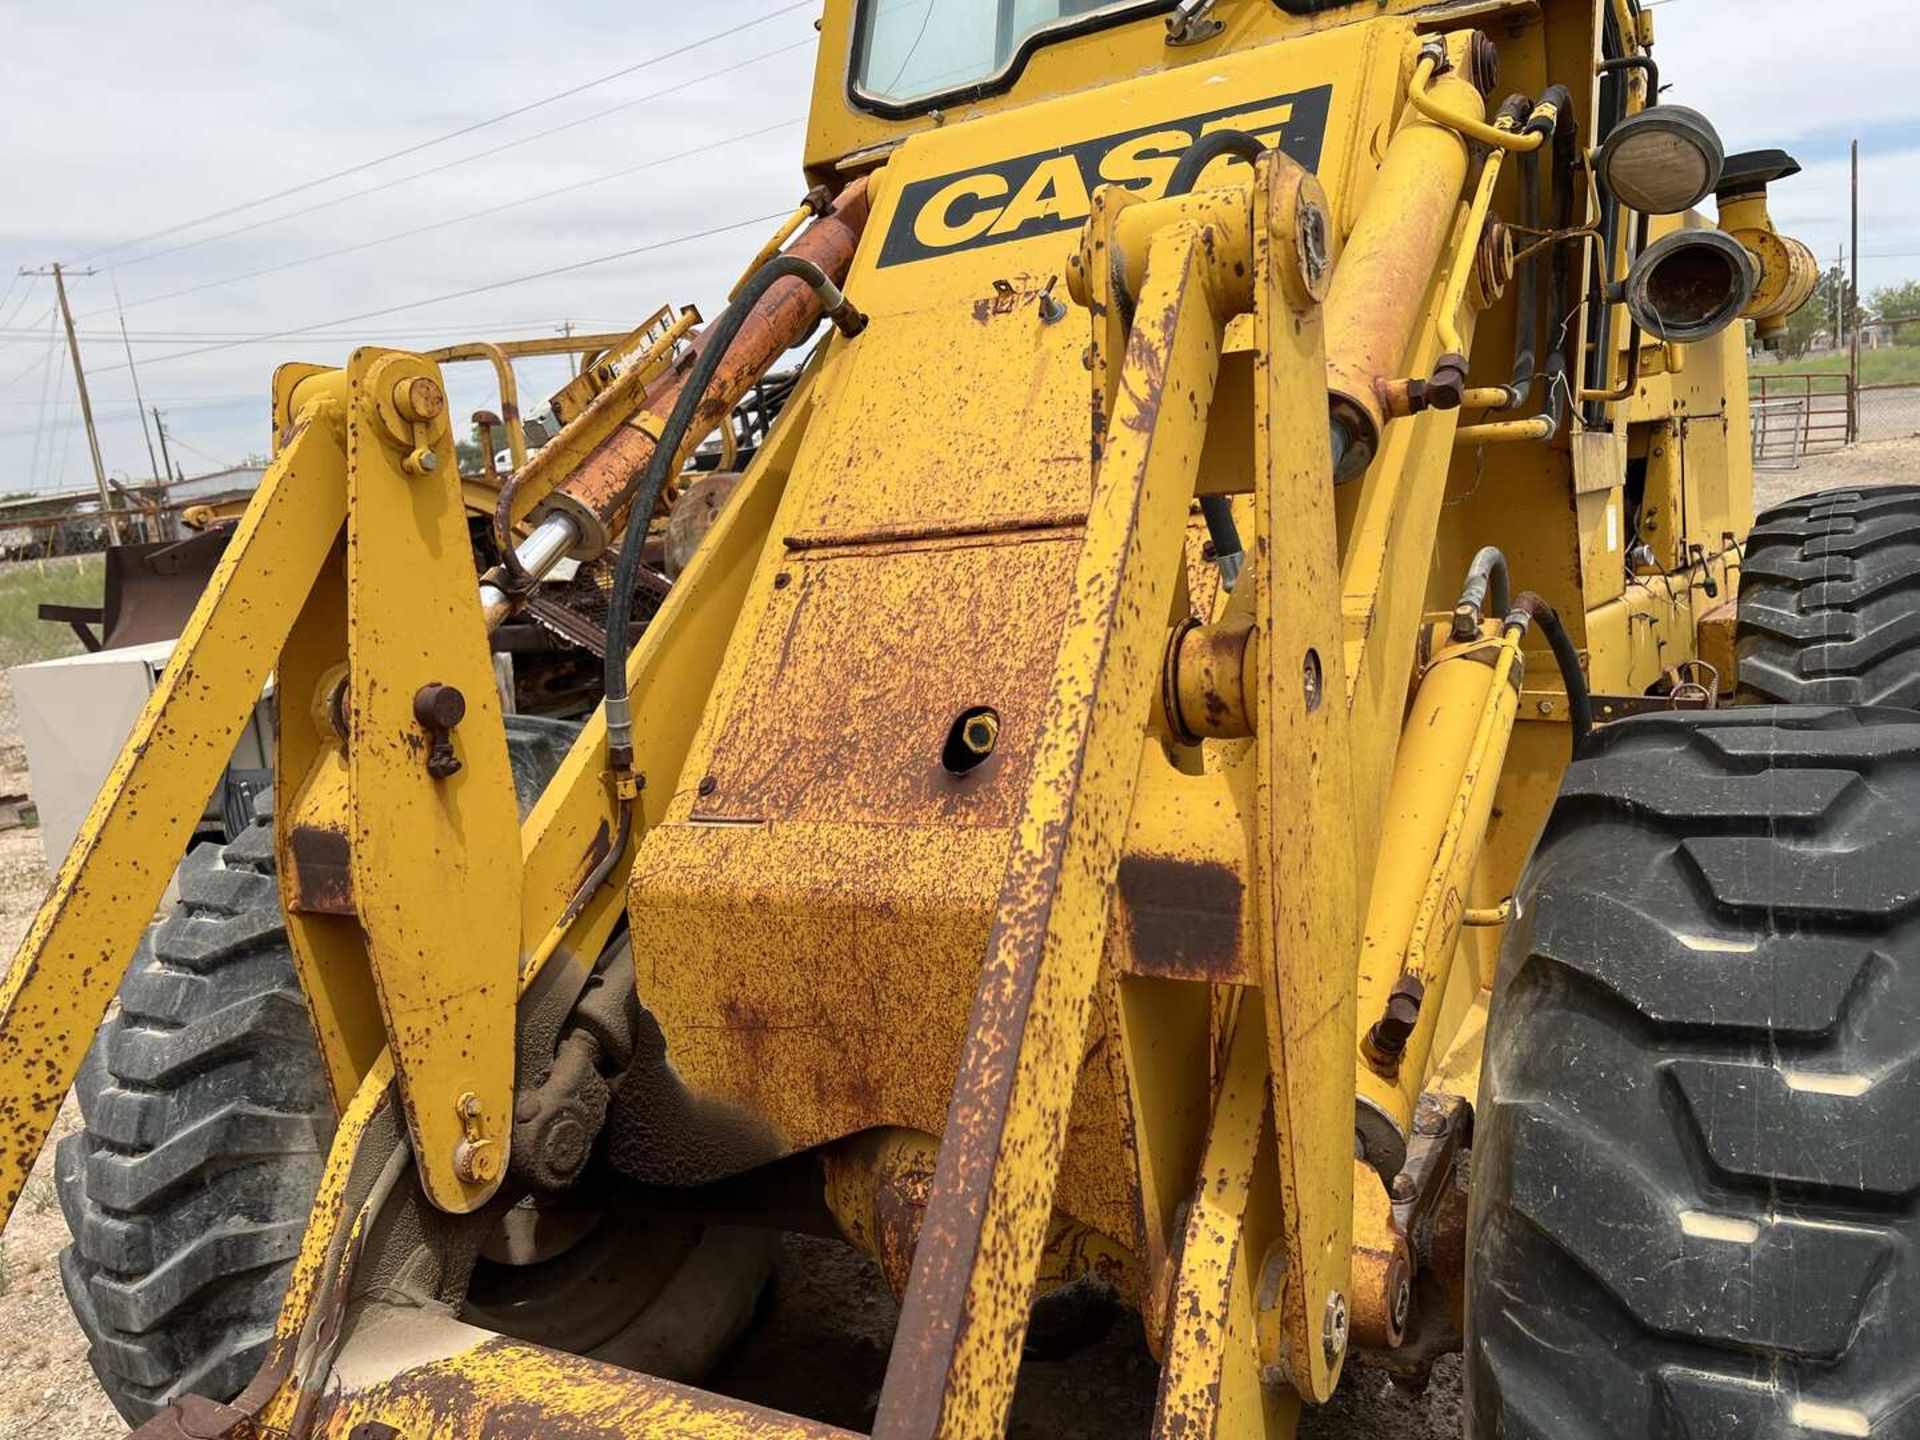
x=1203, y=756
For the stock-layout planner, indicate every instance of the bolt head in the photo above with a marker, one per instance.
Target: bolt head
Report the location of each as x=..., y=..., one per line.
x=1404, y=1188
x=439, y=707
x=1400, y=1302
x=1333, y=1327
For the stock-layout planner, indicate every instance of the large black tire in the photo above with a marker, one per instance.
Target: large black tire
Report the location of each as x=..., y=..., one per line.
x=1830, y=601
x=1696, y=1189
x=206, y=1125
x=207, y=1120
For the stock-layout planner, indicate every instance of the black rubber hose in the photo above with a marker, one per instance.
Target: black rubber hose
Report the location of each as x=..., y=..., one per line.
x=1487, y=587
x=718, y=337
x=1526, y=300
x=1228, y=552
x=1207, y=149
x=1579, y=698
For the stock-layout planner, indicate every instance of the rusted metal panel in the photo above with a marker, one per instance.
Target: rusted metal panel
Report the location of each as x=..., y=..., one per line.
x=953, y=1364
x=501, y=1387
x=855, y=703
x=1183, y=918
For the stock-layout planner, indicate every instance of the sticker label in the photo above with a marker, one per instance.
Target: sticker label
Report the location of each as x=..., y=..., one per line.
x=1051, y=190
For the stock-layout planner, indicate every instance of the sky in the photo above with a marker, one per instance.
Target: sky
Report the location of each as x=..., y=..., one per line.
x=131, y=128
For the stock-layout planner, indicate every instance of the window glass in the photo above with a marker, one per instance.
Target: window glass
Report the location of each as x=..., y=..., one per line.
x=915, y=48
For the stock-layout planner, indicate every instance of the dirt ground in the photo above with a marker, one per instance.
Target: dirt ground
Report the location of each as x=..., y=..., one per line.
x=820, y=1345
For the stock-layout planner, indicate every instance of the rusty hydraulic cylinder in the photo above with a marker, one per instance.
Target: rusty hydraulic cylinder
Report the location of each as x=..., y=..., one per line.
x=597, y=495
x=1387, y=267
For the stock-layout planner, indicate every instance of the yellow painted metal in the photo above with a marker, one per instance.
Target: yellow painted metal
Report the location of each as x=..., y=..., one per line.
x=496, y=356
x=1212, y=1382
x=980, y=1247
x=71, y=959
x=776, y=242
x=1381, y=282
x=648, y=346
x=1479, y=210
x=1303, y=883
x=1437, y=811
x=592, y=407
x=1499, y=432
x=1500, y=138
x=435, y=859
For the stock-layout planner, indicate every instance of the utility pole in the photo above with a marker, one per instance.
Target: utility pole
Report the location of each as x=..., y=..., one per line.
x=160, y=426
x=566, y=329
x=86, y=405
x=139, y=401
x=1853, y=355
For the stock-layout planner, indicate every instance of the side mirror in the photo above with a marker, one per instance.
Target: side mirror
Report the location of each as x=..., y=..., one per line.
x=1690, y=285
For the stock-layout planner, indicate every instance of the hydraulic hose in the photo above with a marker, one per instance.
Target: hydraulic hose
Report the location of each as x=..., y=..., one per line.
x=1207, y=149
x=1228, y=552
x=1579, y=699
x=666, y=456
x=1487, y=576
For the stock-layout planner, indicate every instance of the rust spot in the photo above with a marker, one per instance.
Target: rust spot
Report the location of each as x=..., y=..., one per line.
x=322, y=879
x=1181, y=919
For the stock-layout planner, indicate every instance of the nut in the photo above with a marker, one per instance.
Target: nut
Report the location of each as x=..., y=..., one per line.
x=1333, y=1328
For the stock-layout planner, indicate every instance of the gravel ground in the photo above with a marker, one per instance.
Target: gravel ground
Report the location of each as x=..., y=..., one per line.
x=820, y=1345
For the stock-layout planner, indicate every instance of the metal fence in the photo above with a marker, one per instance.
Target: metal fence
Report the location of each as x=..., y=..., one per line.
x=1797, y=414
x=1887, y=412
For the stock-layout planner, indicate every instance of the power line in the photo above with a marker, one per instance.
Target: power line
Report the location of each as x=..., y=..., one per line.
x=408, y=179
x=472, y=289
x=454, y=134
x=355, y=248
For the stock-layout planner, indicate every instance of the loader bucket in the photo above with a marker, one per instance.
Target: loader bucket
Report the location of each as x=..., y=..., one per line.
x=149, y=592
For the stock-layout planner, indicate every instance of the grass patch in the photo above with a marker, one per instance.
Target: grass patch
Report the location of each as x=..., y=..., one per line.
x=1894, y=365
x=27, y=584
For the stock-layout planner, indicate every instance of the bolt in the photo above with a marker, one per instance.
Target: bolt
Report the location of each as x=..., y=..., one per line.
x=1429, y=1119
x=1400, y=1299
x=981, y=732
x=1333, y=1328
x=427, y=460
x=1546, y=707
x=474, y=1161
x=782, y=580
x=1389, y=1033
x=1404, y=1188
x=707, y=785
